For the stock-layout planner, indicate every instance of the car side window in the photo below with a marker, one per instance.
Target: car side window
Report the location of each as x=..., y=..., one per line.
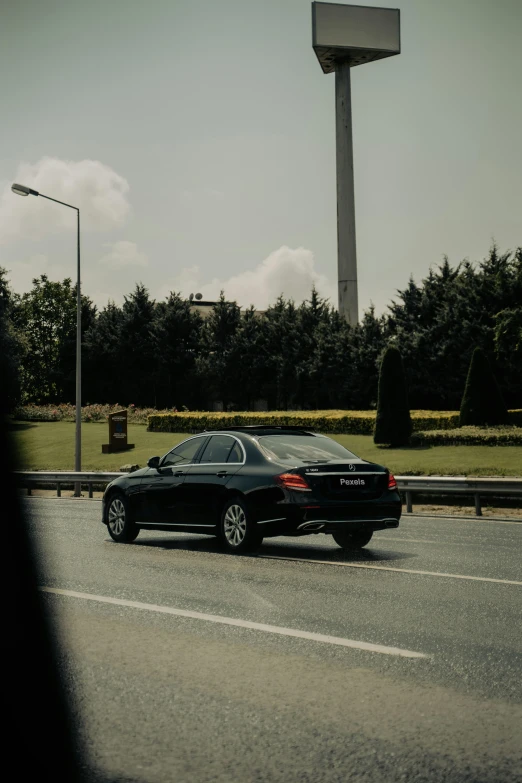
x=236, y=454
x=218, y=449
x=183, y=454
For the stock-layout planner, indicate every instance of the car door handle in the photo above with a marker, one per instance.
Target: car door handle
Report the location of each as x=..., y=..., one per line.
x=222, y=473
x=179, y=473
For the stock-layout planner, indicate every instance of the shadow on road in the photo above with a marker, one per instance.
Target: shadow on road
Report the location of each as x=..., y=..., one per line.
x=370, y=554
x=305, y=551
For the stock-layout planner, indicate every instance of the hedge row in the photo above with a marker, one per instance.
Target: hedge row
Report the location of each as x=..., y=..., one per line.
x=470, y=436
x=331, y=422
x=67, y=412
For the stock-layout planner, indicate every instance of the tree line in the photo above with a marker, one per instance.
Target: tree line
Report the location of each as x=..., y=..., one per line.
x=163, y=354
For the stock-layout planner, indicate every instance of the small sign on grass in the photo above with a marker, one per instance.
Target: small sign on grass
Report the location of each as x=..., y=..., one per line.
x=117, y=433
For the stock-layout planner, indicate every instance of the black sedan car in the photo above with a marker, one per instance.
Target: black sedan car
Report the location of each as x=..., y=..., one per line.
x=248, y=483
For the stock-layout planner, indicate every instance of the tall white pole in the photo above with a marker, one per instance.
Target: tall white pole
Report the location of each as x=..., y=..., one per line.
x=22, y=190
x=346, y=248
x=78, y=439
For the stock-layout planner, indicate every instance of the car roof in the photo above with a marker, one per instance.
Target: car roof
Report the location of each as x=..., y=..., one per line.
x=263, y=429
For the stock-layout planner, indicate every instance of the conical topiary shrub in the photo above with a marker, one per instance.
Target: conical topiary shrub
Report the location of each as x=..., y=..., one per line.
x=482, y=403
x=393, y=422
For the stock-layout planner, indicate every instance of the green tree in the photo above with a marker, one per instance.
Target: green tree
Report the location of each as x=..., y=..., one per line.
x=331, y=363
x=393, y=422
x=47, y=317
x=102, y=379
x=282, y=348
x=438, y=322
x=482, y=403
x=136, y=363
x=294, y=356
x=11, y=346
x=248, y=359
x=216, y=364
x=367, y=342
x=508, y=334
x=313, y=321
x=175, y=332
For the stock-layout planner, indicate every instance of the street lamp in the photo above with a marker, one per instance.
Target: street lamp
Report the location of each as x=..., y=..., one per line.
x=22, y=190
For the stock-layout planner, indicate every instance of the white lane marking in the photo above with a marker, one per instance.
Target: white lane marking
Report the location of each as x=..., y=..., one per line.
x=421, y=541
x=398, y=540
x=389, y=568
x=214, y=618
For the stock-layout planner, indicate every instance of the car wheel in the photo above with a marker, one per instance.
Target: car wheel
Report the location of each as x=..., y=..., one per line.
x=237, y=531
x=119, y=524
x=355, y=540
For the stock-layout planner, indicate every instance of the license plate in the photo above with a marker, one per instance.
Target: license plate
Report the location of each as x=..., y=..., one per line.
x=344, y=483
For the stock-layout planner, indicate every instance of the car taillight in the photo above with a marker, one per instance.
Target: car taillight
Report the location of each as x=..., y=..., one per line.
x=293, y=481
x=392, y=483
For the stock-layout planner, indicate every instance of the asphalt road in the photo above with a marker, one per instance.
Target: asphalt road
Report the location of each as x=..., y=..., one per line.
x=169, y=697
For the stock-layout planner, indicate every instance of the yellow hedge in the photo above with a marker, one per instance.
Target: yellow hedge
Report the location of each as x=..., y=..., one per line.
x=470, y=436
x=332, y=422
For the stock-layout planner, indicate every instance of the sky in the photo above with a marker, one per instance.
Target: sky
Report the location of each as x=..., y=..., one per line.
x=198, y=140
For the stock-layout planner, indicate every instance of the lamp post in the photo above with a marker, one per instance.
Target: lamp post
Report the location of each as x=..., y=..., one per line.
x=22, y=190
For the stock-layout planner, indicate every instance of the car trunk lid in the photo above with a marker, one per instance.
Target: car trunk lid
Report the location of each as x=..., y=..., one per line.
x=346, y=480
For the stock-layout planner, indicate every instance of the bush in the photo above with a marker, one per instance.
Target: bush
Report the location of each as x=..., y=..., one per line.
x=482, y=403
x=333, y=422
x=37, y=413
x=67, y=412
x=329, y=422
x=470, y=436
x=393, y=421
x=354, y=422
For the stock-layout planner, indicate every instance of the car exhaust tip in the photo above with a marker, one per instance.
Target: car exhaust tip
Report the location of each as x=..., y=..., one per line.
x=311, y=527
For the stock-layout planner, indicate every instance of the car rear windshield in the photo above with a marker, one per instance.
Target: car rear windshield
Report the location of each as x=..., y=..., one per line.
x=303, y=448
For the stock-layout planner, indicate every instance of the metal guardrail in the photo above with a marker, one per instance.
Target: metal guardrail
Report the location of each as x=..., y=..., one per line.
x=28, y=479
x=408, y=485
x=448, y=485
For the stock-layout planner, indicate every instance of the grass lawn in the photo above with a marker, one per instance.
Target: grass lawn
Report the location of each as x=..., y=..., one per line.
x=50, y=446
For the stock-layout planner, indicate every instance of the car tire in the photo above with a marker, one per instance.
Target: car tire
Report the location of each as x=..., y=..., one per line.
x=119, y=524
x=238, y=533
x=355, y=540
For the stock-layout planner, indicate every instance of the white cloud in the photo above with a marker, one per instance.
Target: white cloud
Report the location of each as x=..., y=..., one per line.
x=22, y=273
x=123, y=254
x=98, y=191
x=287, y=271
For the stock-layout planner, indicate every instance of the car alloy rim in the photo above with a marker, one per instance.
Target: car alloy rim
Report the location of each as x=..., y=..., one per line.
x=235, y=525
x=117, y=516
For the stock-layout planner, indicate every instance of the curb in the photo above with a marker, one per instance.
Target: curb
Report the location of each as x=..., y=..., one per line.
x=473, y=518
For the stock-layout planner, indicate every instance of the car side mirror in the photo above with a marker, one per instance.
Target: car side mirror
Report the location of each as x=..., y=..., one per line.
x=153, y=462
